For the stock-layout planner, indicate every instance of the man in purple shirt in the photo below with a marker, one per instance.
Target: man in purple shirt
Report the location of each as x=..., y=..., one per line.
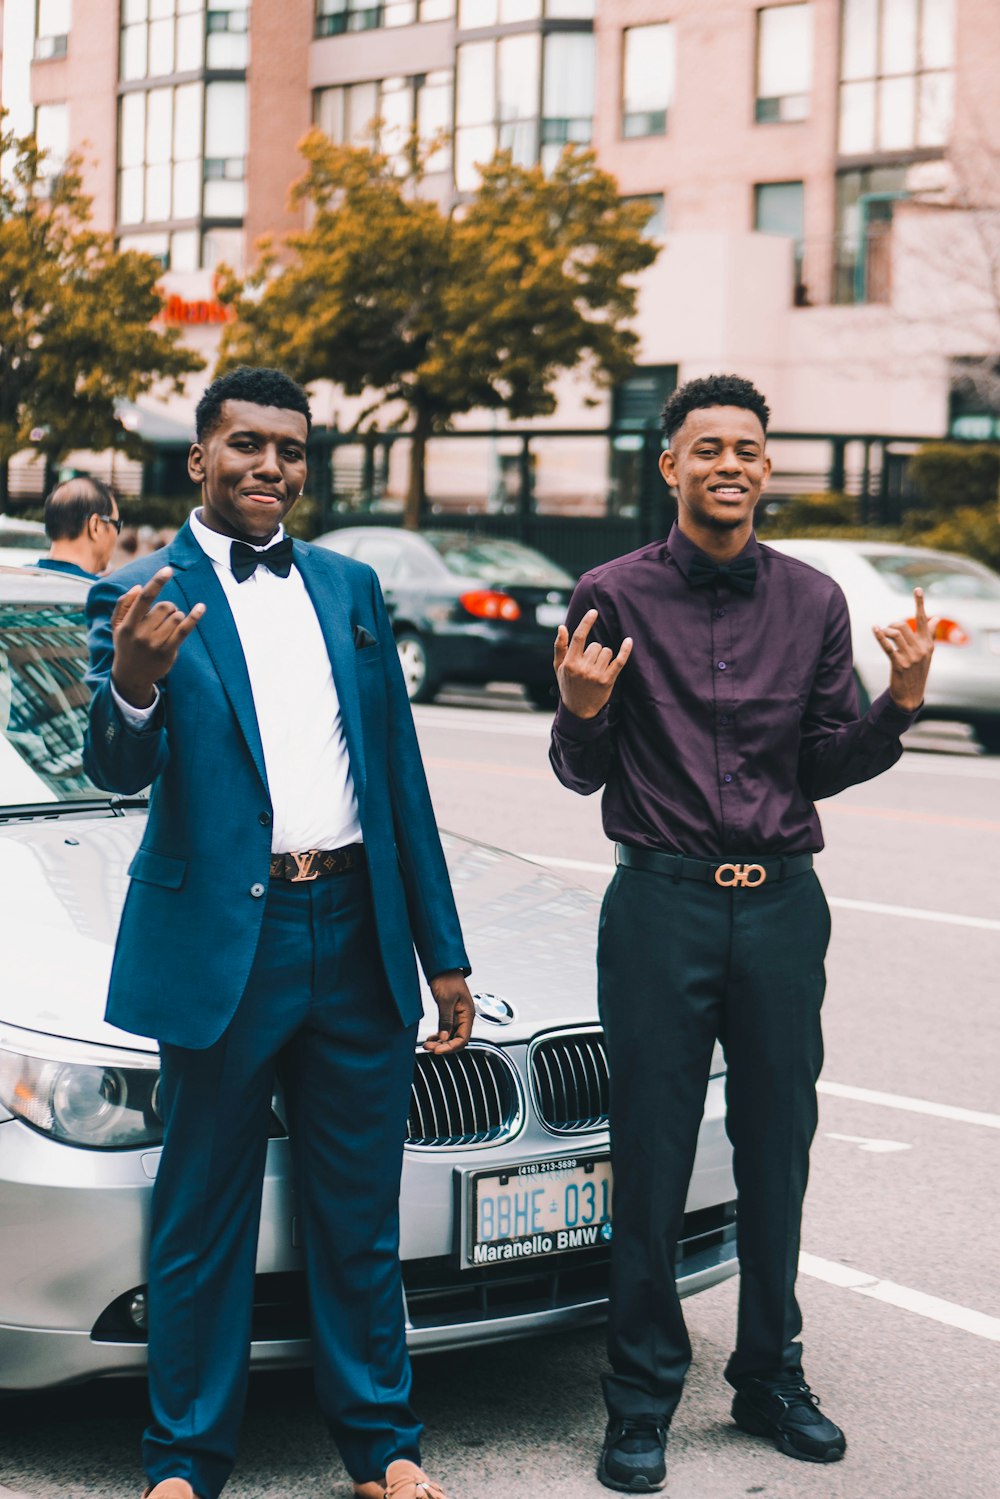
x=706, y=683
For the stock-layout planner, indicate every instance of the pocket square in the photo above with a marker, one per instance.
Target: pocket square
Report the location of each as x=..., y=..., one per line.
x=362, y=638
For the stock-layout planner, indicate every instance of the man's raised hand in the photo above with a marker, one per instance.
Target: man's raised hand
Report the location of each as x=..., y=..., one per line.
x=148, y=632
x=909, y=646
x=586, y=673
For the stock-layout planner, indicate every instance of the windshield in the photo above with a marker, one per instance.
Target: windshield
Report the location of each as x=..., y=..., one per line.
x=495, y=561
x=939, y=577
x=43, y=704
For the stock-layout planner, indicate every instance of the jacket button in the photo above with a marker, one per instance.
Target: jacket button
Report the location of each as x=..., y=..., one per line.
x=257, y=891
x=264, y=818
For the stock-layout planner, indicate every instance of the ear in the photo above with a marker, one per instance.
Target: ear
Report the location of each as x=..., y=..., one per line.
x=668, y=467
x=196, y=463
x=767, y=472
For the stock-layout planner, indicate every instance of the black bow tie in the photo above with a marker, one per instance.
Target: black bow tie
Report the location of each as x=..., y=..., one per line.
x=244, y=560
x=741, y=574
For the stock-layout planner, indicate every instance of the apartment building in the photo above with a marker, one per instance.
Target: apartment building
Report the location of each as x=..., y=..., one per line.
x=825, y=174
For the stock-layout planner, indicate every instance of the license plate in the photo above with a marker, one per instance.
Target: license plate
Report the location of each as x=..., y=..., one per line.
x=550, y=615
x=535, y=1209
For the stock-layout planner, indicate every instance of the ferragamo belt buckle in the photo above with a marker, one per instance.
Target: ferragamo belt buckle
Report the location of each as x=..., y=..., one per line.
x=747, y=875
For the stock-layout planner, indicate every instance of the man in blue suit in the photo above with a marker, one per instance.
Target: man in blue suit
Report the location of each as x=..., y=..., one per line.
x=289, y=867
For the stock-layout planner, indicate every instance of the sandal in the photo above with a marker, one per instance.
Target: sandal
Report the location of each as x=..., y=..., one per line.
x=404, y=1480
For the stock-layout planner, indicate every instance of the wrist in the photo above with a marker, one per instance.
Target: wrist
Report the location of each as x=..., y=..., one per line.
x=136, y=694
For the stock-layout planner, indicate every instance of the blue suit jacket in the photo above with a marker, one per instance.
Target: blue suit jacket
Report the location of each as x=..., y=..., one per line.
x=193, y=912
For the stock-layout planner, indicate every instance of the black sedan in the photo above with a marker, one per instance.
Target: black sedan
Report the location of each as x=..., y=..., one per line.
x=464, y=608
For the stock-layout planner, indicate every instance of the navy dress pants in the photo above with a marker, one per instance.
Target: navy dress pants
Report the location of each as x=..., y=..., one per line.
x=681, y=963
x=317, y=1010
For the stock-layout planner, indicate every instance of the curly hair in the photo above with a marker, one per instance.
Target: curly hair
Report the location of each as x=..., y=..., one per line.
x=263, y=386
x=712, y=390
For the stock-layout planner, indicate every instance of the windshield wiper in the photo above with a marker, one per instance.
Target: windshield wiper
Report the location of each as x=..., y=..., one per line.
x=32, y=811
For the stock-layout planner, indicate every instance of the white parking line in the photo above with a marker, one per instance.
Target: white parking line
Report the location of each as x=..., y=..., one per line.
x=909, y=1105
x=948, y=1312
x=872, y=907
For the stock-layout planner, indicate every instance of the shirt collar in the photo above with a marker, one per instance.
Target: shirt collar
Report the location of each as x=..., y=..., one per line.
x=55, y=565
x=218, y=547
x=682, y=550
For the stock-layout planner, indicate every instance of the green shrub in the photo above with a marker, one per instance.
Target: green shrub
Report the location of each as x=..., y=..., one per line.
x=974, y=531
x=809, y=515
x=952, y=476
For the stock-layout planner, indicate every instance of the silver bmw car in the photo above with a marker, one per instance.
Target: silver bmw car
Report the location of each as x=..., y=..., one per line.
x=507, y=1210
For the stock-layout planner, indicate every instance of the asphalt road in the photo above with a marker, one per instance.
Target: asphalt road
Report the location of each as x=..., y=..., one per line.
x=899, y=1286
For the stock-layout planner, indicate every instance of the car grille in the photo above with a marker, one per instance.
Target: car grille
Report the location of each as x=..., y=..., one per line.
x=471, y=1097
x=569, y=1079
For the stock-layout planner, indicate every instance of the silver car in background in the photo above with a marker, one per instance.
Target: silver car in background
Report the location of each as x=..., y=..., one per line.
x=506, y=1196
x=878, y=579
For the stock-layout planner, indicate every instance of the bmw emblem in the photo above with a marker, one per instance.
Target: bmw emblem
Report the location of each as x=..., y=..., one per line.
x=492, y=1008
x=606, y=1232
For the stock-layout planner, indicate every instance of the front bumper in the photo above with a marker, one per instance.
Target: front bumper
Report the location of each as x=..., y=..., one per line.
x=74, y=1224
x=484, y=651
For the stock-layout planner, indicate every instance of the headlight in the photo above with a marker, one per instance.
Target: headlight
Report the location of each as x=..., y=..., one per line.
x=80, y=1095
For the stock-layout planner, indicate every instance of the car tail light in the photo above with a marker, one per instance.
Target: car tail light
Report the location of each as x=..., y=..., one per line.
x=489, y=603
x=946, y=632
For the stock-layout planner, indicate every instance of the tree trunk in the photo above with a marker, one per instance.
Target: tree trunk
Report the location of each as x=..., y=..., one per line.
x=416, y=493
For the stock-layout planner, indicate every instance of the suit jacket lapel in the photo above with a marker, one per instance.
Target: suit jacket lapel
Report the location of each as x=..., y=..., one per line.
x=332, y=601
x=196, y=578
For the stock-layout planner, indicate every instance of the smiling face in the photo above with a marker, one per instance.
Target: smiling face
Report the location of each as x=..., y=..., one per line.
x=717, y=464
x=251, y=467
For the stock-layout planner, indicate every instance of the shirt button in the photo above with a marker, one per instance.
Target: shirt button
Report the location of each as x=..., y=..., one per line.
x=727, y=779
x=257, y=890
x=723, y=718
x=722, y=665
x=720, y=613
x=264, y=818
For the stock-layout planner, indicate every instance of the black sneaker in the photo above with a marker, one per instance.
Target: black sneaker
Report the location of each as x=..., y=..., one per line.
x=785, y=1409
x=633, y=1457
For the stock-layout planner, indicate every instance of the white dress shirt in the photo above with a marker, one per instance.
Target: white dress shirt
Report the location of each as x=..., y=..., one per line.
x=313, y=801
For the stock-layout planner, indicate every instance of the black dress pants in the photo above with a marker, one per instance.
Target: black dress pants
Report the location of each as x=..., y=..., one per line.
x=679, y=964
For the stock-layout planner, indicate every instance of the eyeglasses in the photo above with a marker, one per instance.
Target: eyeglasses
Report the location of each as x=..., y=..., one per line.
x=113, y=520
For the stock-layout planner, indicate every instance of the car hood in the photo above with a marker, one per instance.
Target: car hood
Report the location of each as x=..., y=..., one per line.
x=530, y=934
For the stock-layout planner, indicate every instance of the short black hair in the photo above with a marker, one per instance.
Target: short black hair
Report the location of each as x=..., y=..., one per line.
x=70, y=505
x=262, y=386
x=712, y=390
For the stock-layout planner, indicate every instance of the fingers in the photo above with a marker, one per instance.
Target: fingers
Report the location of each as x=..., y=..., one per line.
x=124, y=605
x=148, y=594
x=581, y=632
x=923, y=624
x=883, y=639
x=187, y=624
x=622, y=657
x=560, y=647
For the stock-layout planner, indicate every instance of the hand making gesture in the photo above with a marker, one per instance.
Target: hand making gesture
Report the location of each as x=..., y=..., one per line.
x=909, y=644
x=586, y=673
x=147, y=635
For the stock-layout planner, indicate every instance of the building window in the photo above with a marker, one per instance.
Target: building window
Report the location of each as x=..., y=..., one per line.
x=784, y=63
x=52, y=137
x=863, y=263
x=473, y=14
x=348, y=115
x=52, y=23
x=779, y=208
x=334, y=17
x=162, y=37
x=159, y=153
x=227, y=28
x=525, y=93
x=656, y=225
x=897, y=78
x=648, y=79
x=225, y=150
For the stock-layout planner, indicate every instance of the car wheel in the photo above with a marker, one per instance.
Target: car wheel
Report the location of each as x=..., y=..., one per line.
x=413, y=658
x=542, y=695
x=988, y=735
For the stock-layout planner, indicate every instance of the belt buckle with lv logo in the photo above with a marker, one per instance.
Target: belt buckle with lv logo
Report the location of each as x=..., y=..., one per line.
x=301, y=865
x=747, y=875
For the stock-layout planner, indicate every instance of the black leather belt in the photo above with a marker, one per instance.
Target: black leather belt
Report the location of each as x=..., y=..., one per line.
x=316, y=862
x=746, y=874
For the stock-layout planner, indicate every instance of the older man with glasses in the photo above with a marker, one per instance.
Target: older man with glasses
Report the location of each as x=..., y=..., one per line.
x=82, y=524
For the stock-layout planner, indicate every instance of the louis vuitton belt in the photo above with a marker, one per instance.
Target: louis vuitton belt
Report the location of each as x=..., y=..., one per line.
x=316, y=863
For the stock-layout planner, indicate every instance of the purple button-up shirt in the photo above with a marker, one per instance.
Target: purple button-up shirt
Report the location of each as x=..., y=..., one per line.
x=734, y=713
